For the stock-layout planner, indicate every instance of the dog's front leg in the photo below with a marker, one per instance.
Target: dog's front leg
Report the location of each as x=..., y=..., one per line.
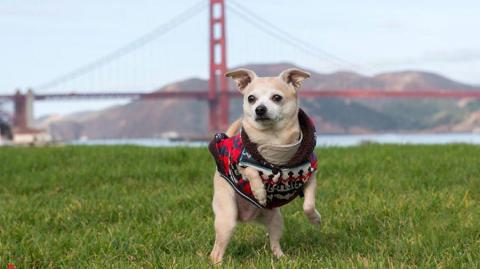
x=309, y=202
x=256, y=184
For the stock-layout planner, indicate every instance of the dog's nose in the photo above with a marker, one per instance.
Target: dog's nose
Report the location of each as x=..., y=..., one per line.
x=261, y=110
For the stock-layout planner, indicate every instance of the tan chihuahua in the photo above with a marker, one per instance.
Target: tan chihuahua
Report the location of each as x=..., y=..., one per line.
x=267, y=164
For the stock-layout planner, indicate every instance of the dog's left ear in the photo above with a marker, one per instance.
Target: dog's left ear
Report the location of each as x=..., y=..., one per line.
x=294, y=76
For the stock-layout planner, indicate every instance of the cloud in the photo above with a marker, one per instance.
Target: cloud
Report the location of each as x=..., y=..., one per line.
x=18, y=10
x=465, y=55
x=452, y=56
x=393, y=25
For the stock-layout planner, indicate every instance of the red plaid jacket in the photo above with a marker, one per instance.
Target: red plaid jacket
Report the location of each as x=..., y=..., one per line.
x=229, y=154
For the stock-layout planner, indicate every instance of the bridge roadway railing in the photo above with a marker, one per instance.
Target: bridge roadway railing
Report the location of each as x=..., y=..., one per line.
x=308, y=93
x=23, y=105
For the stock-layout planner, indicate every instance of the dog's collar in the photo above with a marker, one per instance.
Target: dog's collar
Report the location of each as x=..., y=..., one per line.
x=304, y=151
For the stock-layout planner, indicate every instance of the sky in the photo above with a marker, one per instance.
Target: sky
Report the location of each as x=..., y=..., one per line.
x=42, y=40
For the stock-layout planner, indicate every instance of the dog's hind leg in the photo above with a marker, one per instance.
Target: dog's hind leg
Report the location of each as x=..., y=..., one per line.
x=225, y=209
x=273, y=221
x=309, y=202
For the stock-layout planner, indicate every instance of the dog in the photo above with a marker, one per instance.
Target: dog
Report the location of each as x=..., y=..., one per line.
x=268, y=163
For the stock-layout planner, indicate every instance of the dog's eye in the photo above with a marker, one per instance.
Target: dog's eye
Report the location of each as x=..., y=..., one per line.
x=277, y=98
x=251, y=99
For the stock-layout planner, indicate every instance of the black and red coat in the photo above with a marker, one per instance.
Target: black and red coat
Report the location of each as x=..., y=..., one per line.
x=282, y=183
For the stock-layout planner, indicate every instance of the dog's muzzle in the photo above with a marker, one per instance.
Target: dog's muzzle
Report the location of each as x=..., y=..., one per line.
x=261, y=113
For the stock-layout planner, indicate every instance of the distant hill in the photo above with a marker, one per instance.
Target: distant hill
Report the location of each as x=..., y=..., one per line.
x=163, y=118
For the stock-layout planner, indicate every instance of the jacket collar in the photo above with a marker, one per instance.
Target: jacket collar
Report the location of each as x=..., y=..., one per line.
x=306, y=148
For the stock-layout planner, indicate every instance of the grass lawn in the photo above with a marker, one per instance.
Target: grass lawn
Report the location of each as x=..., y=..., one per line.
x=132, y=207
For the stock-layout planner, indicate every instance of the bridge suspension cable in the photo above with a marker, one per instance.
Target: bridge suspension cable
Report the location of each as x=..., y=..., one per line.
x=269, y=28
x=159, y=31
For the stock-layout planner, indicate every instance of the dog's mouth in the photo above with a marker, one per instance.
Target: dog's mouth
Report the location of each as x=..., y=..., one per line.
x=262, y=118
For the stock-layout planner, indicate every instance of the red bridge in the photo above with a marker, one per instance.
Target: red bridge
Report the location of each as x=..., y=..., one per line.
x=217, y=95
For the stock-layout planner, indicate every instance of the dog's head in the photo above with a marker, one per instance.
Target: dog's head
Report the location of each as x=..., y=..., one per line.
x=269, y=101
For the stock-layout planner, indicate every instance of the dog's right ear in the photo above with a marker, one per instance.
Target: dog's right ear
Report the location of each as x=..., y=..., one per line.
x=242, y=77
x=294, y=76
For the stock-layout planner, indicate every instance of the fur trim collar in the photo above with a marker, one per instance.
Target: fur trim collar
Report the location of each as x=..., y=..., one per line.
x=306, y=148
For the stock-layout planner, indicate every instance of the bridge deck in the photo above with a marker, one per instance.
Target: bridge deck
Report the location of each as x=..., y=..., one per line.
x=344, y=93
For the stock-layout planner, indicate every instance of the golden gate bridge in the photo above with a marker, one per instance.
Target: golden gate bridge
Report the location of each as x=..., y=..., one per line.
x=218, y=94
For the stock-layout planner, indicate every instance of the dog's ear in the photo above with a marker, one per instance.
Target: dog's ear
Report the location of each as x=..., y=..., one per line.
x=294, y=76
x=242, y=77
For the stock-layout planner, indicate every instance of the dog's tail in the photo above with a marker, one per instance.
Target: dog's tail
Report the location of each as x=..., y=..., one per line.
x=234, y=128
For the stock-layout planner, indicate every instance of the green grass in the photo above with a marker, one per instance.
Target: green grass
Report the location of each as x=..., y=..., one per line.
x=132, y=207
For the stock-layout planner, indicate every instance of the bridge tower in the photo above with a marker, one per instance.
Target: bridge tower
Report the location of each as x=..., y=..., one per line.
x=23, y=110
x=19, y=110
x=218, y=97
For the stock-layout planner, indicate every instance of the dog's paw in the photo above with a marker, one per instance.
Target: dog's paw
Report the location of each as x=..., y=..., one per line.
x=314, y=217
x=261, y=195
x=215, y=258
x=278, y=253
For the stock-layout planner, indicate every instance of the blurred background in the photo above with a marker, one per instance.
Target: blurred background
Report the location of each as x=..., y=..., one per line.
x=79, y=71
